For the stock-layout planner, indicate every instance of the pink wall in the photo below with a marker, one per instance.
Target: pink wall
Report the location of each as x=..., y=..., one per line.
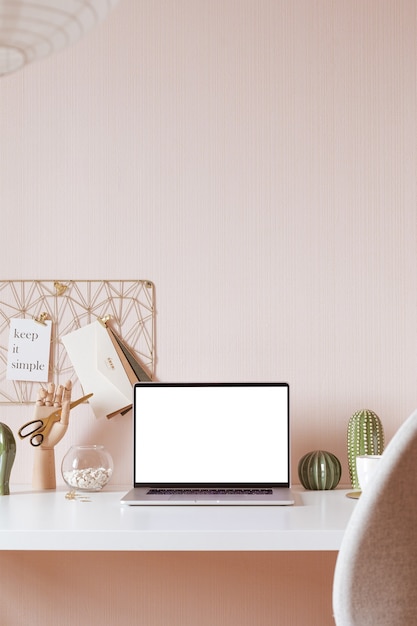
x=256, y=160
x=166, y=589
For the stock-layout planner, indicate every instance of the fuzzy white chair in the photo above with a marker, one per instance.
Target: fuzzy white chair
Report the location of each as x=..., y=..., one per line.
x=375, y=580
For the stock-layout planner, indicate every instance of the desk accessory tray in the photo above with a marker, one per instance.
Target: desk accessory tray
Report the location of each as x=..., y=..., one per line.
x=128, y=304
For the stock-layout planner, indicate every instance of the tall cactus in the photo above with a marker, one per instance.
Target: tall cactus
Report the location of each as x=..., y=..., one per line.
x=365, y=436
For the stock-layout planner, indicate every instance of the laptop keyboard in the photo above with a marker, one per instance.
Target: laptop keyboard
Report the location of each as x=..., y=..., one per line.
x=215, y=492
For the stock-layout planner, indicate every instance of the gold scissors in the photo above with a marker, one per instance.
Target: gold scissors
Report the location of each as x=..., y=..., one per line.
x=38, y=429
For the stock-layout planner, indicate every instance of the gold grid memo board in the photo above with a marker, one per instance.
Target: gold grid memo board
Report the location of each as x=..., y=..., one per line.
x=69, y=305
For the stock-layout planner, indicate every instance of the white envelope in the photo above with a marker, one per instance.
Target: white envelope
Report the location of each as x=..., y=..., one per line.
x=99, y=369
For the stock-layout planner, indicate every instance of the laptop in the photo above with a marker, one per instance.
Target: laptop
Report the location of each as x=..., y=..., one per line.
x=211, y=444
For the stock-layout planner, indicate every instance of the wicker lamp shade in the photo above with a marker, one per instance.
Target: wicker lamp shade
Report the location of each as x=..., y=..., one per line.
x=34, y=29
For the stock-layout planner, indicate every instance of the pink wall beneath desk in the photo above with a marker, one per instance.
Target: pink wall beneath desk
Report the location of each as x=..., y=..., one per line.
x=257, y=161
x=160, y=589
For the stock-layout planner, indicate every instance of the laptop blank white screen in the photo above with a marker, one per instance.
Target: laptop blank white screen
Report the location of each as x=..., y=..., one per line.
x=211, y=434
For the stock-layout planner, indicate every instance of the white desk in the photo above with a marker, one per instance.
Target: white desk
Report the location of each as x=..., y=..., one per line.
x=48, y=521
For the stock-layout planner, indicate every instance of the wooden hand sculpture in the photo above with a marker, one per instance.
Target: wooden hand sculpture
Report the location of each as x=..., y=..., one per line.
x=48, y=400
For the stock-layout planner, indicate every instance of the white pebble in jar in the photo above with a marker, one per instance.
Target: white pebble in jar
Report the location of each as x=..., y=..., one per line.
x=93, y=478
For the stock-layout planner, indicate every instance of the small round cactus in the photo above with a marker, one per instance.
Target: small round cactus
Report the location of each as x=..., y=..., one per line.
x=319, y=470
x=365, y=436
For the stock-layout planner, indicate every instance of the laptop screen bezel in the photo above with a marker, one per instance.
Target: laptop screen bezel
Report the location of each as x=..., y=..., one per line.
x=214, y=485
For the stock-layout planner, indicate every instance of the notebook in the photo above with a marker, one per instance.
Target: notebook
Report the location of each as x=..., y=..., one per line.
x=211, y=444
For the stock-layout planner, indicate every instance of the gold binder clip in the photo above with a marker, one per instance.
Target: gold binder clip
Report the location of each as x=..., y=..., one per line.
x=59, y=288
x=41, y=319
x=104, y=320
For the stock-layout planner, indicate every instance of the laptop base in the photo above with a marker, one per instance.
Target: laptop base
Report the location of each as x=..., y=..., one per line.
x=139, y=496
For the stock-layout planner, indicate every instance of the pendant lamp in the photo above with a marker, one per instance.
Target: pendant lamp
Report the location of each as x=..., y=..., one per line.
x=34, y=29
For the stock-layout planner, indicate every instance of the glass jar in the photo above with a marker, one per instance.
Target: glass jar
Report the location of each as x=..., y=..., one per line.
x=87, y=468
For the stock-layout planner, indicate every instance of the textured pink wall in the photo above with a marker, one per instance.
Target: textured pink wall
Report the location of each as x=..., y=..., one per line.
x=257, y=161
x=160, y=589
